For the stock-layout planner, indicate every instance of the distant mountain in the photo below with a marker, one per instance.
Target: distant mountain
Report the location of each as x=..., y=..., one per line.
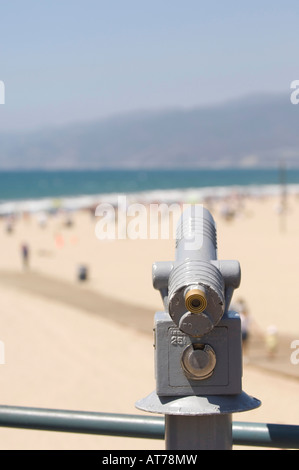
x=254, y=131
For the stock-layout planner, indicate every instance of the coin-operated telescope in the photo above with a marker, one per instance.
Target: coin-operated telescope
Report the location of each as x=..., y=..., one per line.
x=198, y=350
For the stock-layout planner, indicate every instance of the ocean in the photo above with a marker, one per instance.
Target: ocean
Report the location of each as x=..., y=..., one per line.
x=79, y=188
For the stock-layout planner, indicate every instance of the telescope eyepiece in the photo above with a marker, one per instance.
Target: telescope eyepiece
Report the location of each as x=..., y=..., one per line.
x=195, y=300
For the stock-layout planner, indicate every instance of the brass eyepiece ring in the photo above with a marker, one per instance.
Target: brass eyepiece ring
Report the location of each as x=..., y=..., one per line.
x=196, y=301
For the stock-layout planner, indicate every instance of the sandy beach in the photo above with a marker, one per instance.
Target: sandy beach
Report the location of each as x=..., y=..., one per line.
x=88, y=345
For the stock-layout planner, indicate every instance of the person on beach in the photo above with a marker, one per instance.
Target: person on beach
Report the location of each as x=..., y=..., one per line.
x=25, y=255
x=9, y=226
x=271, y=340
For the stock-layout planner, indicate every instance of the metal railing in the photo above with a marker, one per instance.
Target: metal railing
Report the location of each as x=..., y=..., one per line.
x=137, y=426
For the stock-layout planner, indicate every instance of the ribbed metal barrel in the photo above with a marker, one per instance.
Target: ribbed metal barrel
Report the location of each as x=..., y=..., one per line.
x=196, y=235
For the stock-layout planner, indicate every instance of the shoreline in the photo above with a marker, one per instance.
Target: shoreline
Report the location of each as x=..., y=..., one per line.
x=180, y=195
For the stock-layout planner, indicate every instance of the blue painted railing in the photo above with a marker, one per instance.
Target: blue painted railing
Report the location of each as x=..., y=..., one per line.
x=137, y=426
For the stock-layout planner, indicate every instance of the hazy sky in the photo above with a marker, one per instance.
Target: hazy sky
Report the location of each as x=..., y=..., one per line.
x=72, y=60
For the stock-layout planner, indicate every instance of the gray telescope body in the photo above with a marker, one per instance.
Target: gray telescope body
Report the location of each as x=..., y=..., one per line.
x=197, y=334
x=198, y=350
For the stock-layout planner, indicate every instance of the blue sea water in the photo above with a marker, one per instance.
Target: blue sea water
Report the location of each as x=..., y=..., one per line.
x=17, y=185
